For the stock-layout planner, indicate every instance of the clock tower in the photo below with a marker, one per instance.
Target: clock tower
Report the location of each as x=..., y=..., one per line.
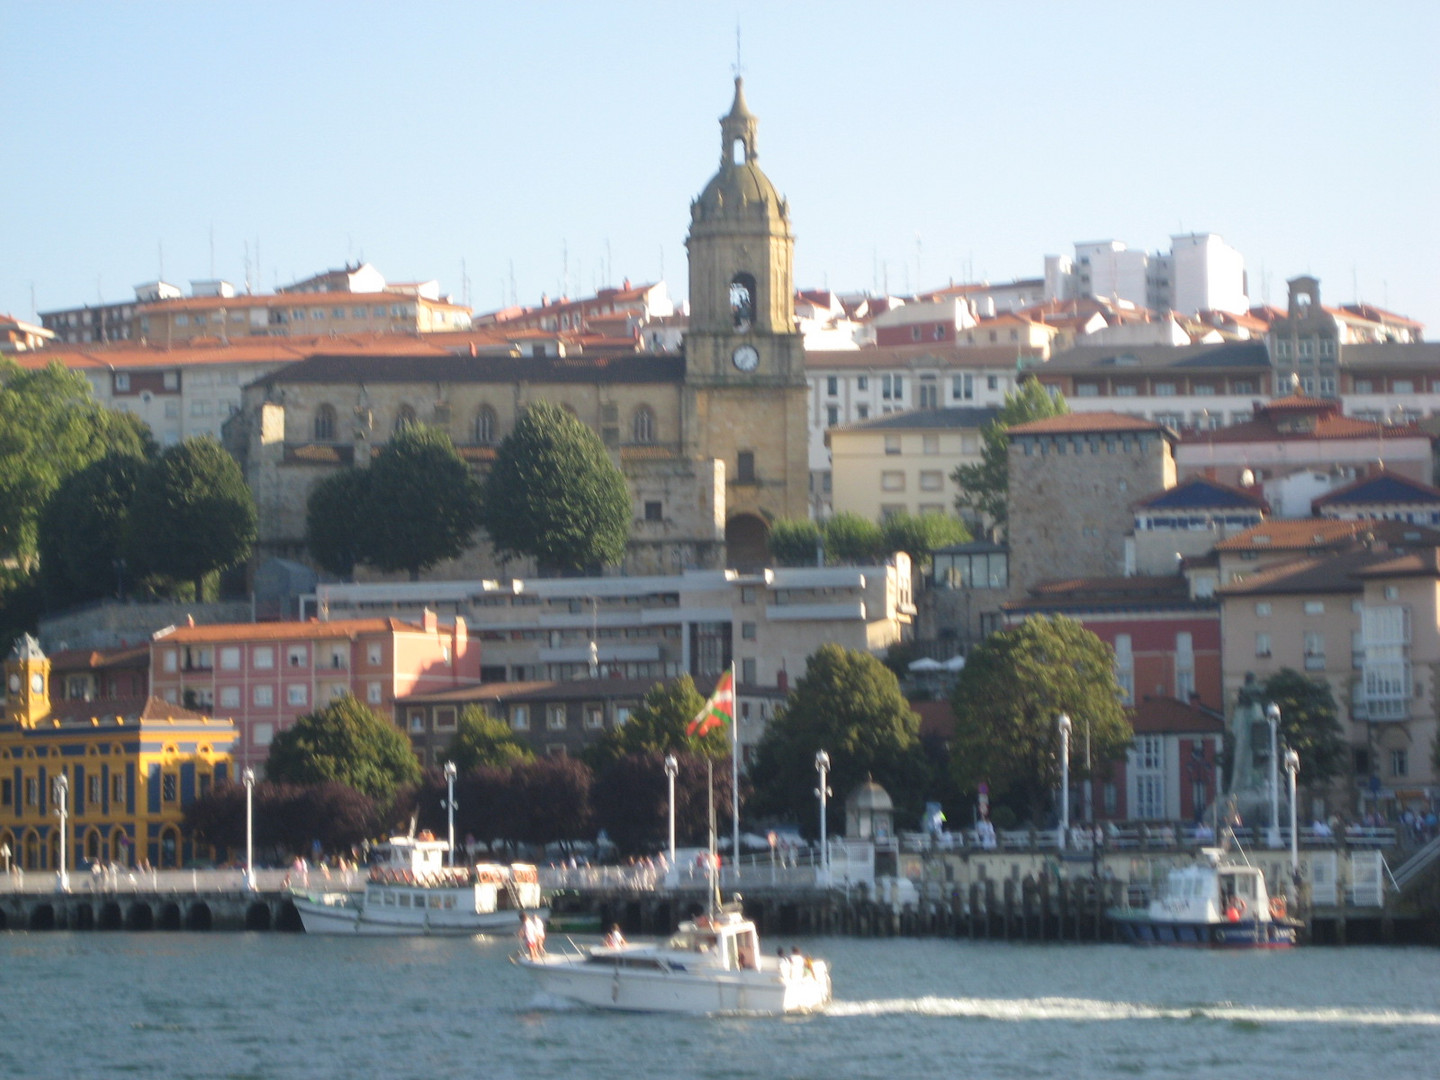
x=744, y=360
x=27, y=679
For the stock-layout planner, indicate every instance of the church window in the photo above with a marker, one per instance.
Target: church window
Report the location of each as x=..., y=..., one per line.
x=742, y=301
x=643, y=426
x=485, y=426
x=325, y=423
x=745, y=467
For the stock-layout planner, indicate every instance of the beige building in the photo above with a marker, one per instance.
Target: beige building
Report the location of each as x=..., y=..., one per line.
x=902, y=463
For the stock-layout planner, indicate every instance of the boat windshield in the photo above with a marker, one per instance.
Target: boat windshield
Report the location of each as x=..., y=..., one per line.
x=700, y=941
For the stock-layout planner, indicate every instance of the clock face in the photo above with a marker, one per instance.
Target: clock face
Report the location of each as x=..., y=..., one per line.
x=37, y=682
x=14, y=682
x=746, y=357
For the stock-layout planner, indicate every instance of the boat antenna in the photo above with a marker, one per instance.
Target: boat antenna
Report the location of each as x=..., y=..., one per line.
x=714, y=869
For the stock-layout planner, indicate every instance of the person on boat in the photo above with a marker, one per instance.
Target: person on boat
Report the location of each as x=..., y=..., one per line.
x=527, y=937
x=614, y=939
x=539, y=934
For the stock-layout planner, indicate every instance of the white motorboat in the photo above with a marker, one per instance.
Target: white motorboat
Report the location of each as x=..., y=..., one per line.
x=712, y=964
x=1212, y=902
x=412, y=892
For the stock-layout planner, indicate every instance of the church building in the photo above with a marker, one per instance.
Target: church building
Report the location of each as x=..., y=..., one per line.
x=712, y=442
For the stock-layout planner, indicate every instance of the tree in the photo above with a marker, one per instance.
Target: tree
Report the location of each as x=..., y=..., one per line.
x=191, y=515
x=337, y=515
x=849, y=705
x=421, y=503
x=480, y=739
x=287, y=817
x=919, y=535
x=554, y=494
x=630, y=798
x=852, y=539
x=551, y=800
x=348, y=742
x=985, y=487
x=82, y=530
x=1309, y=725
x=794, y=541
x=1009, y=696
x=657, y=725
x=50, y=426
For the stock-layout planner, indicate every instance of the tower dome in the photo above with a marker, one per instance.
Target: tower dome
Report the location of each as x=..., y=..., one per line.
x=740, y=189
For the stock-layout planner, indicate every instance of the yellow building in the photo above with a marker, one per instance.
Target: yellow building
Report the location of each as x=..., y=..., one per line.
x=130, y=767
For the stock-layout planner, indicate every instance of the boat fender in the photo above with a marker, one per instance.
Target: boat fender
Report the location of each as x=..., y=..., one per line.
x=1277, y=907
x=1236, y=910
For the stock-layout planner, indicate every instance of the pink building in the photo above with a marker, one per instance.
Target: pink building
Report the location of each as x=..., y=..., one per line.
x=265, y=675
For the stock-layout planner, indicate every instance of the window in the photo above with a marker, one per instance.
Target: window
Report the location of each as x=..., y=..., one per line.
x=229, y=697
x=929, y=394
x=297, y=694
x=748, y=674
x=862, y=382
x=832, y=385
x=122, y=381
x=892, y=480
x=117, y=787
x=747, y=631
x=339, y=660
x=1314, y=607
x=374, y=693
x=832, y=415
x=171, y=660
x=262, y=734
x=263, y=658
x=485, y=426
x=643, y=425
x=519, y=718
x=1403, y=386
x=594, y=717
x=170, y=787
x=1262, y=609
x=1164, y=389
x=962, y=387
x=930, y=444
x=742, y=302
x=1399, y=762
x=263, y=696
x=32, y=791
x=97, y=790
x=992, y=382
x=745, y=467
x=445, y=719
x=417, y=721
x=555, y=718
x=230, y=658
x=654, y=511
x=296, y=656
x=1087, y=389
x=325, y=424
x=1184, y=665
x=932, y=480
x=892, y=444
x=1125, y=667
x=1314, y=650
x=374, y=654
x=1262, y=644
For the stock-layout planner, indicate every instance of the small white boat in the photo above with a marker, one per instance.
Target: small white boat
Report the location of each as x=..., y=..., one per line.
x=1212, y=902
x=412, y=892
x=712, y=964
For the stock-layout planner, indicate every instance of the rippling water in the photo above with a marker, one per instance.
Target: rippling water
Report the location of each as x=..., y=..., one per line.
x=280, y=1006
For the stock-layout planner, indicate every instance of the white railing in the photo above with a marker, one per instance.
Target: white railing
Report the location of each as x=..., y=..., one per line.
x=129, y=881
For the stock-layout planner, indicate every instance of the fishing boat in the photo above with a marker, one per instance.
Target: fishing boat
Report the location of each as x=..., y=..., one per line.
x=410, y=891
x=1211, y=902
x=711, y=964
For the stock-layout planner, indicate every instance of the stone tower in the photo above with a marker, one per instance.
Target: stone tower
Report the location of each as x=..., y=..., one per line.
x=27, y=683
x=744, y=361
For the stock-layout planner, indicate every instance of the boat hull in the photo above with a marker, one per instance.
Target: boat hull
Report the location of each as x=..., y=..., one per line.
x=602, y=986
x=1141, y=929
x=321, y=914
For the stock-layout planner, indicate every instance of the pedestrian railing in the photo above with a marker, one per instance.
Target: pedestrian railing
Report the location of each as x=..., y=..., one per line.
x=129, y=880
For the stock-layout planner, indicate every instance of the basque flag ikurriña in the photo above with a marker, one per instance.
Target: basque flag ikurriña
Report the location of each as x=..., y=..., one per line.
x=719, y=710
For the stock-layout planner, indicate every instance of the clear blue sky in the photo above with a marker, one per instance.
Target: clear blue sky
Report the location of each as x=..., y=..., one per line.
x=917, y=142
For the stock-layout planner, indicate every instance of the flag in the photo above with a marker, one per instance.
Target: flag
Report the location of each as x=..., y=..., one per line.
x=719, y=710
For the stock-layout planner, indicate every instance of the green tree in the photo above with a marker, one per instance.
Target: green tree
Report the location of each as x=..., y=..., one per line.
x=82, y=530
x=554, y=494
x=337, y=515
x=630, y=798
x=191, y=515
x=288, y=818
x=1007, y=701
x=985, y=487
x=919, y=534
x=849, y=705
x=348, y=742
x=422, y=503
x=657, y=725
x=794, y=541
x=480, y=740
x=852, y=540
x=1309, y=725
x=50, y=426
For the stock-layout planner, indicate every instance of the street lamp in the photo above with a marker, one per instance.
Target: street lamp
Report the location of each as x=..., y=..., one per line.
x=822, y=766
x=1272, y=714
x=1063, y=722
x=671, y=768
x=62, y=807
x=450, y=806
x=248, y=779
x=1292, y=767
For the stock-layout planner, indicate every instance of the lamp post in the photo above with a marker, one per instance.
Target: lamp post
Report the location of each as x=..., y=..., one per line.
x=671, y=768
x=62, y=808
x=1292, y=767
x=1272, y=714
x=248, y=779
x=1063, y=722
x=822, y=766
x=450, y=806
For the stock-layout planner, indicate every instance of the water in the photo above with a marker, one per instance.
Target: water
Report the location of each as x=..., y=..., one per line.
x=277, y=1006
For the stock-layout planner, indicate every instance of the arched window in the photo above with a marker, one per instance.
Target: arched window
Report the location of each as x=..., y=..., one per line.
x=485, y=426
x=325, y=424
x=643, y=426
x=404, y=417
x=742, y=301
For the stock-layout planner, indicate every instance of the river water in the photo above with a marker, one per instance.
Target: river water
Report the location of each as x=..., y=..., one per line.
x=280, y=1006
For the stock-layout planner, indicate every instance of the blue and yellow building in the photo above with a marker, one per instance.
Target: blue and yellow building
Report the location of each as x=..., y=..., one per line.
x=132, y=765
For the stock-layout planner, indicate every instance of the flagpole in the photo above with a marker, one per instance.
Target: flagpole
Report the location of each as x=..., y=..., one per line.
x=735, y=771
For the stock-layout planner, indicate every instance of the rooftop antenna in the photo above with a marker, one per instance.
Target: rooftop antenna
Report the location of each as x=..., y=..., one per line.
x=212, y=251
x=247, y=267
x=464, y=284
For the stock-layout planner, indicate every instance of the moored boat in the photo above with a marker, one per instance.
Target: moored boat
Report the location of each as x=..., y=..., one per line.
x=1212, y=902
x=711, y=964
x=412, y=892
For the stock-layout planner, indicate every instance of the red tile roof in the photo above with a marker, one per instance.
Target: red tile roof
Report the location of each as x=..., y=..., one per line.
x=1086, y=423
x=1305, y=534
x=289, y=631
x=1169, y=716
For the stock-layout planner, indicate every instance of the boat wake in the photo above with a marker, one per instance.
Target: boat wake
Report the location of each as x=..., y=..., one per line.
x=1085, y=1009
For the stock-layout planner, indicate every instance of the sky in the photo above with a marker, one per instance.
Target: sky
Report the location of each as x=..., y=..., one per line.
x=511, y=150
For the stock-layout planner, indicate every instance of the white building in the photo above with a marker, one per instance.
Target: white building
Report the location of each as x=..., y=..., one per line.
x=1200, y=273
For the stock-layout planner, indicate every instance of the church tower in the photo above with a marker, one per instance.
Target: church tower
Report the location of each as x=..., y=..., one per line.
x=27, y=683
x=744, y=360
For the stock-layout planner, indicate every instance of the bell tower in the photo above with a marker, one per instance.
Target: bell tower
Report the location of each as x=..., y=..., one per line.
x=744, y=360
x=27, y=682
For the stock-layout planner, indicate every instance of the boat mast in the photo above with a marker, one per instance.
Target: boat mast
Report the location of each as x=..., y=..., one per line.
x=714, y=870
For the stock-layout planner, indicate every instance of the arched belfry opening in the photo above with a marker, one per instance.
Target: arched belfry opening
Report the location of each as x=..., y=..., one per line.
x=746, y=543
x=742, y=302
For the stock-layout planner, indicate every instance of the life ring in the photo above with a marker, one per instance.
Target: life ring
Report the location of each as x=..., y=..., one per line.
x=1235, y=910
x=1277, y=907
